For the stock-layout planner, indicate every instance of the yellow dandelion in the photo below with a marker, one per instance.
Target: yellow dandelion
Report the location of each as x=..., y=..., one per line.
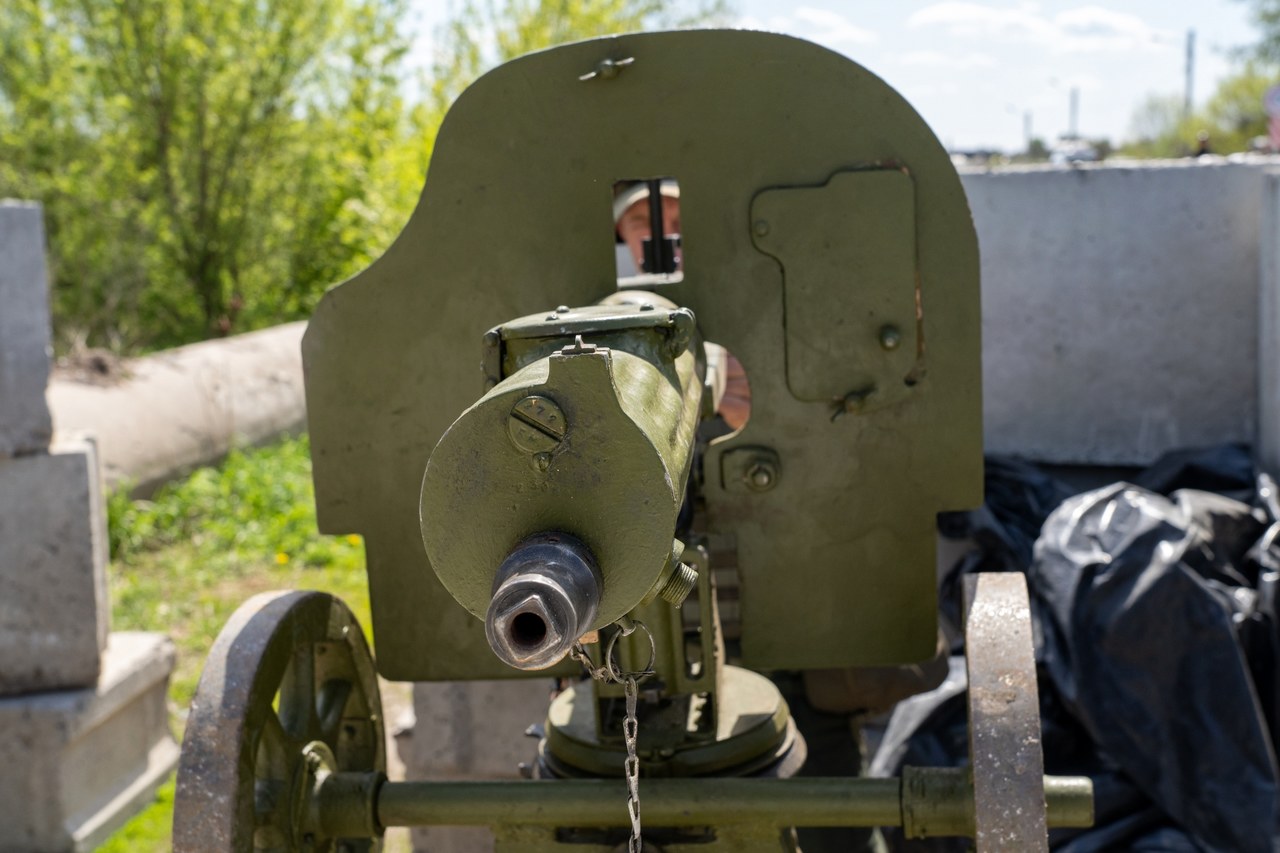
x=353, y=539
x=281, y=557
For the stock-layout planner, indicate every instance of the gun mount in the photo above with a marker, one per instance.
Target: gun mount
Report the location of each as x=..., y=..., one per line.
x=561, y=508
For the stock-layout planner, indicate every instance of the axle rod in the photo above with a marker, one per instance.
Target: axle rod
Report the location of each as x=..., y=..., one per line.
x=932, y=802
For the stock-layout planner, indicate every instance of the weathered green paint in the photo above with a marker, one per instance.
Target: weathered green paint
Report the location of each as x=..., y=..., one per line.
x=733, y=839
x=859, y=227
x=750, y=725
x=615, y=480
x=837, y=559
x=718, y=802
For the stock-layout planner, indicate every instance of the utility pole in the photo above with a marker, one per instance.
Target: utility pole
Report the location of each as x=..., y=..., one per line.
x=1189, y=102
x=1026, y=130
x=1073, y=126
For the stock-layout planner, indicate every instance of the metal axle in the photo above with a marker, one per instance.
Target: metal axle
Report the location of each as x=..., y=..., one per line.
x=926, y=802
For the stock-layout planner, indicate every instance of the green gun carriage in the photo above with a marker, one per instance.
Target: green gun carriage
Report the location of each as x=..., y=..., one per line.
x=520, y=437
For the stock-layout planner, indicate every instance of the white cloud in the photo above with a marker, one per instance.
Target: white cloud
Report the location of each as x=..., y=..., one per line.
x=1090, y=29
x=773, y=24
x=1084, y=29
x=937, y=59
x=820, y=25
x=976, y=19
x=1083, y=82
x=834, y=28
x=945, y=88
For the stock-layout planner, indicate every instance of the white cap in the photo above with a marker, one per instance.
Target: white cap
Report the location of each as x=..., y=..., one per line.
x=639, y=191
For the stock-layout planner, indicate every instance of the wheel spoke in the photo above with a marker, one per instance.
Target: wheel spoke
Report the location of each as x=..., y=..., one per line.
x=271, y=780
x=298, y=694
x=330, y=705
x=274, y=748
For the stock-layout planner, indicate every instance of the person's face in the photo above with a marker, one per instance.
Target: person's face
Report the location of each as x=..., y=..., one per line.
x=633, y=227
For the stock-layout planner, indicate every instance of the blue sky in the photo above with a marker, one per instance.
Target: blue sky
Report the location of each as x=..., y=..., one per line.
x=975, y=69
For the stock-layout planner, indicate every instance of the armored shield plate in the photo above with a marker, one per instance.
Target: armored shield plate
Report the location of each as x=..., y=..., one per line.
x=827, y=244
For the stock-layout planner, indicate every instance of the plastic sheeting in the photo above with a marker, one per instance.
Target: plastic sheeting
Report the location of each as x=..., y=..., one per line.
x=1154, y=611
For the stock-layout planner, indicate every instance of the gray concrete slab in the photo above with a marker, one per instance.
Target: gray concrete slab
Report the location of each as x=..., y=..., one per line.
x=25, y=349
x=87, y=760
x=54, y=612
x=1269, y=329
x=1119, y=308
x=471, y=730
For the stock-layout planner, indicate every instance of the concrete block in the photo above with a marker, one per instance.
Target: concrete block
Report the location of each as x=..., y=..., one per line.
x=53, y=551
x=24, y=330
x=1268, y=448
x=472, y=730
x=1119, y=308
x=475, y=729
x=79, y=763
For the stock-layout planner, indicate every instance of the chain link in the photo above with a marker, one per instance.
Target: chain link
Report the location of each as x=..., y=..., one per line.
x=596, y=673
x=608, y=672
x=631, y=767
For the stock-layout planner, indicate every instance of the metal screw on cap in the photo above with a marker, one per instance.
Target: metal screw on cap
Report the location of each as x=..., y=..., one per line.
x=536, y=424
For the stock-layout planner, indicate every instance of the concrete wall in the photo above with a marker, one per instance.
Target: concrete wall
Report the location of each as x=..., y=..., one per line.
x=1268, y=445
x=84, y=734
x=1120, y=307
x=24, y=330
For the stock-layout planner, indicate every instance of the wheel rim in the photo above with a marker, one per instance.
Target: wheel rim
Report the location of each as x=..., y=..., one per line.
x=1004, y=716
x=289, y=683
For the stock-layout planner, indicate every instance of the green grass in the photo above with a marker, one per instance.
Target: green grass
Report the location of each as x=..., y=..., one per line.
x=149, y=831
x=183, y=561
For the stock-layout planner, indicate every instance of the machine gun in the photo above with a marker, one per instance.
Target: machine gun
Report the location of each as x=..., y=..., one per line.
x=569, y=512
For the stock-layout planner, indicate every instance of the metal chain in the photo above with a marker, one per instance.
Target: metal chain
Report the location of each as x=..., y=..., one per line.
x=606, y=673
x=631, y=767
x=596, y=673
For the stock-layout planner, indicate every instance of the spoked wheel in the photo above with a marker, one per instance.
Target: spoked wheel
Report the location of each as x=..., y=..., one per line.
x=288, y=696
x=1004, y=716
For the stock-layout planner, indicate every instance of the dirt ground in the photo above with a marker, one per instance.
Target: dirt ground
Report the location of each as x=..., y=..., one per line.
x=397, y=710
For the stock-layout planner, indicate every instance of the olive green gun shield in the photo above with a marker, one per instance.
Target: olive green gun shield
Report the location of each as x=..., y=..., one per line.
x=827, y=244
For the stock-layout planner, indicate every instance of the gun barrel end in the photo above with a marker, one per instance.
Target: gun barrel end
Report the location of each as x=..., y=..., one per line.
x=546, y=594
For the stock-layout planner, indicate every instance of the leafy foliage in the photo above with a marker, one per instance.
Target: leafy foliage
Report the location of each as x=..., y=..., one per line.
x=1232, y=117
x=257, y=506
x=1266, y=17
x=212, y=167
x=183, y=561
x=205, y=167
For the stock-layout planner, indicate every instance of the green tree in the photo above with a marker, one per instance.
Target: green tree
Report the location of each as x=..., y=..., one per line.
x=1156, y=128
x=1234, y=114
x=1232, y=117
x=204, y=166
x=213, y=167
x=1266, y=17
